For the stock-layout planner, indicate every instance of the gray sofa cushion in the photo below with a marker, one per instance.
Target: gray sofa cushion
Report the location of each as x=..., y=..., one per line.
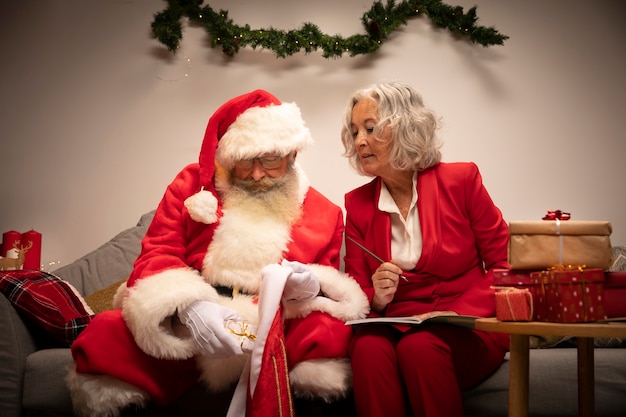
x=16, y=342
x=44, y=386
x=109, y=263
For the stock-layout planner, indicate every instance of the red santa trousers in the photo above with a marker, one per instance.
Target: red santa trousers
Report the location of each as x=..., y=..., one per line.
x=420, y=372
x=107, y=347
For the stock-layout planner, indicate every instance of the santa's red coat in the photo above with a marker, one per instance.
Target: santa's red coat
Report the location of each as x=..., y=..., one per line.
x=183, y=261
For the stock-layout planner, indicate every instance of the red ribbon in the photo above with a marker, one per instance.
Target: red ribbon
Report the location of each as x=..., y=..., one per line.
x=556, y=215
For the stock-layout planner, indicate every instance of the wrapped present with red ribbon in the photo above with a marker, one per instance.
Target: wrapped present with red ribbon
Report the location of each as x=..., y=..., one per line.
x=505, y=279
x=514, y=304
x=557, y=240
x=573, y=294
x=556, y=215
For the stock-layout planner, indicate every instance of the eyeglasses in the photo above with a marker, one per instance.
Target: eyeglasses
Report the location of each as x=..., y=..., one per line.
x=267, y=162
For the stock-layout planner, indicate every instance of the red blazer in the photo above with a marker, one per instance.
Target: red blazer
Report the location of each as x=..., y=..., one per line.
x=464, y=237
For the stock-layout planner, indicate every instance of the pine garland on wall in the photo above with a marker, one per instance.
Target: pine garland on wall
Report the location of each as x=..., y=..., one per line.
x=379, y=22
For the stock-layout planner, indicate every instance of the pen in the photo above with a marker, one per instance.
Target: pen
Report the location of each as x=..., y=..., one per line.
x=373, y=255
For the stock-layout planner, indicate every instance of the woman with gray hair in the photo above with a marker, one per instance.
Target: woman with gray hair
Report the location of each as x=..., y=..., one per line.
x=441, y=236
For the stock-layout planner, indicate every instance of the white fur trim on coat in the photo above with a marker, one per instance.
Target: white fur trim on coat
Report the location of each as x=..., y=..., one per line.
x=259, y=130
x=218, y=375
x=303, y=182
x=328, y=379
x=150, y=304
x=120, y=294
x=342, y=296
x=101, y=395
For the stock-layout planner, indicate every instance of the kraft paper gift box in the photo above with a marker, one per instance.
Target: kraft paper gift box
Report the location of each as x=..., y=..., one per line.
x=573, y=295
x=545, y=243
x=521, y=280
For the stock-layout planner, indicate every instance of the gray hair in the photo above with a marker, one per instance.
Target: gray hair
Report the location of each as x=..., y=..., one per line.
x=414, y=143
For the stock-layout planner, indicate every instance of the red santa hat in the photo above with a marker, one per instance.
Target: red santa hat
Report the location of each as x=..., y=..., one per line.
x=244, y=127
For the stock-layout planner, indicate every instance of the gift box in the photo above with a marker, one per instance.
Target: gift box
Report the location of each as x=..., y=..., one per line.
x=542, y=244
x=522, y=281
x=614, y=294
x=514, y=304
x=22, y=250
x=572, y=295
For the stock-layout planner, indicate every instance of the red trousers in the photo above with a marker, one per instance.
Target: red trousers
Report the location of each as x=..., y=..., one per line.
x=107, y=347
x=420, y=372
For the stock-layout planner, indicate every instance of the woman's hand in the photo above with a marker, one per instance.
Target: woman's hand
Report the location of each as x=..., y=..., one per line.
x=385, y=282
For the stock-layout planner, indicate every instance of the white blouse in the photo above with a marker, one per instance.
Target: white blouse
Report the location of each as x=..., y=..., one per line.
x=406, y=235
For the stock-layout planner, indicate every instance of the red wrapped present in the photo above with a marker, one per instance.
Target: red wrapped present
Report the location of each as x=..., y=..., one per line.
x=522, y=280
x=31, y=245
x=614, y=294
x=21, y=250
x=572, y=294
x=514, y=304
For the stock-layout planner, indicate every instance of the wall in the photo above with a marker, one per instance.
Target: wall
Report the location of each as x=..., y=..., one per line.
x=96, y=118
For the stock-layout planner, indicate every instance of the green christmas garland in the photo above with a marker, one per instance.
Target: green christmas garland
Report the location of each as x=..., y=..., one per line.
x=379, y=22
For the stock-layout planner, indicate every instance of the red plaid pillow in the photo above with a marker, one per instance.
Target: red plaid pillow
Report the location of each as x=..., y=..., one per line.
x=48, y=301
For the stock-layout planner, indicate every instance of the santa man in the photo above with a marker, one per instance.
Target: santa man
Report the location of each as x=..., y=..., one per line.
x=231, y=232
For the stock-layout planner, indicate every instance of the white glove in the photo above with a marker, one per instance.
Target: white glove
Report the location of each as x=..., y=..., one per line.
x=219, y=331
x=302, y=284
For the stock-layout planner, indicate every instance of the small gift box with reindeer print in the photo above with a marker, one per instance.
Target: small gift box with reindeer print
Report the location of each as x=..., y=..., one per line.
x=21, y=250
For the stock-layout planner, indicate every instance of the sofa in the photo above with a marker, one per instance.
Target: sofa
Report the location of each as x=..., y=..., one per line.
x=33, y=367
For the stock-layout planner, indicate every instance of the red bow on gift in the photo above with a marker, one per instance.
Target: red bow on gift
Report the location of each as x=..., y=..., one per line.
x=556, y=214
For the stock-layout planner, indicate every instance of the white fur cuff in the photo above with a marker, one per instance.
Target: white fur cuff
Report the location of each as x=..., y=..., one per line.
x=342, y=297
x=150, y=304
x=328, y=379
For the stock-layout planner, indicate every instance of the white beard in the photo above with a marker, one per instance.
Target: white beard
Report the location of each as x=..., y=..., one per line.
x=278, y=200
x=254, y=230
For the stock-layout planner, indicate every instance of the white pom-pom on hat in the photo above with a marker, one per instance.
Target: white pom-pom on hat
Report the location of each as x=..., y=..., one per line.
x=202, y=207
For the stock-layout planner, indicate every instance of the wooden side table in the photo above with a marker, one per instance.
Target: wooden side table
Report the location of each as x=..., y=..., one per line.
x=520, y=333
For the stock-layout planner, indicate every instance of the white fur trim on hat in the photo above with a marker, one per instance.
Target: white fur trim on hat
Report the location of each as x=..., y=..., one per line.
x=260, y=130
x=202, y=207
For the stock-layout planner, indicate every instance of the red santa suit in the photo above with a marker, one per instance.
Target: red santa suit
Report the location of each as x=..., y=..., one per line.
x=200, y=248
x=464, y=238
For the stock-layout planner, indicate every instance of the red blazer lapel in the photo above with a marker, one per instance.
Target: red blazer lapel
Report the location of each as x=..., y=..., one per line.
x=380, y=241
x=429, y=214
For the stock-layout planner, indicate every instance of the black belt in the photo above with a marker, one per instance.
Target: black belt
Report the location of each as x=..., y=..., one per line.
x=229, y=292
